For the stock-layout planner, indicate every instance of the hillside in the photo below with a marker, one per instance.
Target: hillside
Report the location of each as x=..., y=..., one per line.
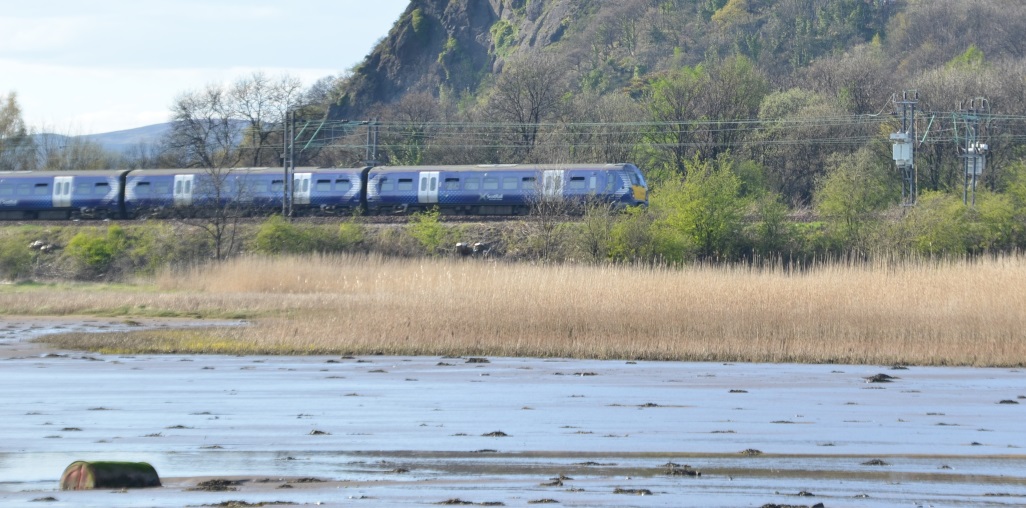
x=460, y=46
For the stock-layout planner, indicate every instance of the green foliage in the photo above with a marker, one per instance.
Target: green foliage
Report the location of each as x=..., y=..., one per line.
x=17, y=148
x=701, y=217
x=351, y=235
x=857, y=186
x=428, y=229
x=276, y=236
x=971, y=59
x=504, y=37
x=733, y=12
x=15, y=258
x=96, y=252
x=417, y=20
x=775, y=233
x=998, y=227
x=630, y=238
x=938, y=225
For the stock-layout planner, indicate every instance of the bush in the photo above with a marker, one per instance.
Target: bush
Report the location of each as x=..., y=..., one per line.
x=278, y=236
x=94, y=253
x=15, y=259
x=428, y=229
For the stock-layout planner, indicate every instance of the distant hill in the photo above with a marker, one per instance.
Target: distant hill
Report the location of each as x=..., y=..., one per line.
x=122, y=141
x=117, y=141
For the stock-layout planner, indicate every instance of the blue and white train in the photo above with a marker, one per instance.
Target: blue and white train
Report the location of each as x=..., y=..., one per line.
x=374, y=190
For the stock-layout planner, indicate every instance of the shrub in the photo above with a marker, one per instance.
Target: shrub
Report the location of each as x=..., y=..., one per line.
x=95, y=253
x=278, y=236
x=428, y=229
x=15, y=259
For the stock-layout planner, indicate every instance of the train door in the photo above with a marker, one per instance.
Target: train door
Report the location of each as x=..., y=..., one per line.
x=183, y=189
x=62, y=191
x=301, y=188
x=427, y=192
x=552, y=183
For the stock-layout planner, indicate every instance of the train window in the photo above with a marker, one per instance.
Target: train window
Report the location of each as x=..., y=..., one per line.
x=451, y=184
x=6, y=190
x=306, y=185
x=188, y=186
x=260, y=187
x=178, y=187
x=277, y=185
x=343, y=185
x=41, y=189
x=423, y=184
x=323, y=185
x=491, y=183
x=634, y=178
x=593, y=182
x=405, y=184
x=610, y=182
x=509, y=182
x=102, y=188
x=387, y=185
x=577, y=183
x=162, y=189
x=472, y=184
x=82, y=188
x=142, y=188
x=528, y=182
x=24, y=190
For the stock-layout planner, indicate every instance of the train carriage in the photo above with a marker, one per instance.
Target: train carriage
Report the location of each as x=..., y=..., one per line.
x=500, y=189
x=472, y=190
x=256, y=191
x=57, y=195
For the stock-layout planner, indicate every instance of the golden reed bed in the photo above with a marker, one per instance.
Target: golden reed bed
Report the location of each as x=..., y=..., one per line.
x=924, y=313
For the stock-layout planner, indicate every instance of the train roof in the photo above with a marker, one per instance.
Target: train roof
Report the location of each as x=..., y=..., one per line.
x=249, y=171
x=51, y=173
x=483, y=168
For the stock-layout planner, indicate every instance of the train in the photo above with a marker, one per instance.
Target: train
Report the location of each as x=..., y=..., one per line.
x=493, y=189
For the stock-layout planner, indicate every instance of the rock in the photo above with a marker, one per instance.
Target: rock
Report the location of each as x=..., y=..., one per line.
x=83, y=475
x=880, y=378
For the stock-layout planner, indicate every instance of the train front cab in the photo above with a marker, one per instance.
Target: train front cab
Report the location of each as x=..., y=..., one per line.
x=639, y=188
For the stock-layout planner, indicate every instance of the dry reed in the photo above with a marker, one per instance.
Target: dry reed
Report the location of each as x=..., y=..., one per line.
x=926, y=313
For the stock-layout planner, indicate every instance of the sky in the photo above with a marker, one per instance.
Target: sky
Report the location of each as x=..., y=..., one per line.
x=86, y=67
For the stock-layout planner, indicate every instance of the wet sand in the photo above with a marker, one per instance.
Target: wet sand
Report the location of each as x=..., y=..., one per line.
x=393, y=431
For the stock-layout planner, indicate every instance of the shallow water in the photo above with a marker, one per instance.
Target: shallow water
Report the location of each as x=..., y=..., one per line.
x=394, y=431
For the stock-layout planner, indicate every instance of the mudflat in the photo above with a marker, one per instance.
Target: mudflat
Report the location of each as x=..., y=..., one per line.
x=394, y=431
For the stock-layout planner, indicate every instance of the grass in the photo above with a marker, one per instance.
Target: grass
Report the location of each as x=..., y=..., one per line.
x=917, y=313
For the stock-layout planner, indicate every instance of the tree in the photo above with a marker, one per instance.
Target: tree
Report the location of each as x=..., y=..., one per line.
x=857, y=186
x=673, y=106
x=263, y=103
x=799, y=130
x=17, y=150
x=703, y=111
x=409, y=137
x=527, y=93
x=205, y=134
x=701, y=216
x=67, y=152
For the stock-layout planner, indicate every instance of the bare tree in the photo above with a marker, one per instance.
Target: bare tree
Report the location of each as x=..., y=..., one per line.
x=408, y=135
x=205, y=134
x=262, y=103
x=67, y=152
x=527, y=93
